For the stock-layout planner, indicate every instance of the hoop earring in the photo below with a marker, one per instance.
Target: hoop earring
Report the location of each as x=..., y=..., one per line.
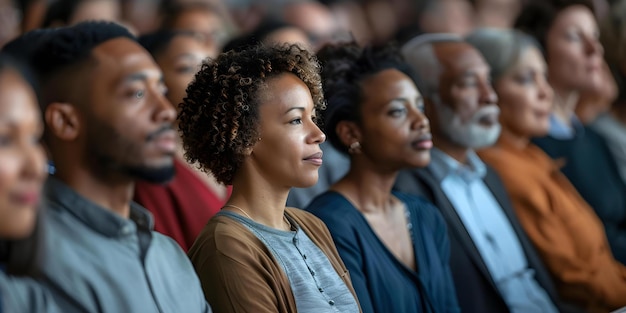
x=355, y=148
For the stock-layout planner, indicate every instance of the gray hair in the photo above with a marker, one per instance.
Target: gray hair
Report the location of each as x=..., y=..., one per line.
x=501, y=48
x=418, y=53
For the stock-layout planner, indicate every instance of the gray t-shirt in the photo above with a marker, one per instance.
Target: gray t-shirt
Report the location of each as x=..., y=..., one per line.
x=316, y=286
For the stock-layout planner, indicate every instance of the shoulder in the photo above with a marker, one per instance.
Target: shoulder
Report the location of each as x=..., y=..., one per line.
x=329, y=205
x=224, y=235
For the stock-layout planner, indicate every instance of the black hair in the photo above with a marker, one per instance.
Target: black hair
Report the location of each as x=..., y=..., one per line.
x=69, y=47
x=21, y=257
x=344, y=67
x=158, y=41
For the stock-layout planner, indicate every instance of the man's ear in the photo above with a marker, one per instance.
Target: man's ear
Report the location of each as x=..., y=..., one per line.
x=348, y=132
x=62, y=121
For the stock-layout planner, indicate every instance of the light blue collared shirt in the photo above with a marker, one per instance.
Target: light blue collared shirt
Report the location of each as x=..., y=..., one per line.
x=491, y=231
x=562, y=131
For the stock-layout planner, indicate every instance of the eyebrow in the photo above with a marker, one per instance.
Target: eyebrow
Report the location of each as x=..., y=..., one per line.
x=139, y=77
x=294, y=108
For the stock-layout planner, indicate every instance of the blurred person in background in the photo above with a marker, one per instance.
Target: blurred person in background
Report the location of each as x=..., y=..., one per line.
x=566, y=231
x=183, y=206
x=22, y=174
x=440, y=16
x=612, y=124
x=569, y=37
x=70, y=12
x=494, y=265
x=10, y=18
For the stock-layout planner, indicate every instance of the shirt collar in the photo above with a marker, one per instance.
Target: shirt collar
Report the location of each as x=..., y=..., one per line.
x=560, y=130
x=443, y=165
x=61, y=197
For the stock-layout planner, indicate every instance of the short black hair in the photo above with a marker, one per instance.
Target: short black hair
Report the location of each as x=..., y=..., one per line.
x=157, y=42
x=60, y=11
x=344, y=67
x=69, y=47
x=22, y=256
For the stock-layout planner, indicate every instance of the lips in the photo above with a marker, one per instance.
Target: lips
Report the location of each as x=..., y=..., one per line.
x=315, y=158
x=423, y=142
x=30, y=197
x=166, y=141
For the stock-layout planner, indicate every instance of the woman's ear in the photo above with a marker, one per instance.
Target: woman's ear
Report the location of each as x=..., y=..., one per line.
x=349, y=133
x=62, y=121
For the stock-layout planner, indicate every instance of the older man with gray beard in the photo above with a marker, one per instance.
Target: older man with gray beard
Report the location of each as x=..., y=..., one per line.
x=494, y=265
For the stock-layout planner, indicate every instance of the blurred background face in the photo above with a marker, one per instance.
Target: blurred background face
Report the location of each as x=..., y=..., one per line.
x=180, y=62
x=109, y=10
x=22, y=162
x=573, y=51
x=525, y=97
x=206, y=23
x=393, y=125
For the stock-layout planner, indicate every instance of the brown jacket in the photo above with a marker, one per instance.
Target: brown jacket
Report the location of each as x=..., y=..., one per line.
x=239, y=274
x=566, y=231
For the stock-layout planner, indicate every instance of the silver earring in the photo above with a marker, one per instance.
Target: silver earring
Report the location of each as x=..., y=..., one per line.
x=355, y=148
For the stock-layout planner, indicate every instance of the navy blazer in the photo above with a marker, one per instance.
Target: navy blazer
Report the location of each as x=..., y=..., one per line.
x=476, y=290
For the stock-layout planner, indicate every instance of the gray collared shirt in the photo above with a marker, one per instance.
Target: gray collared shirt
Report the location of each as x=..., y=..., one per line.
x=97, y=261
x=491, y=232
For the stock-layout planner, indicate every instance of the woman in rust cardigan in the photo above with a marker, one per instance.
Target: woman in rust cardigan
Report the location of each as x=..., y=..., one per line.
x=563, y=227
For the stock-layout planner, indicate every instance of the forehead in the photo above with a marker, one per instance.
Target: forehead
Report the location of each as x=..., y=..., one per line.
x=457, y=58
x=285, y=91
x=575, y=16
x=119, y=57
x=389, y=83
x=17, y=98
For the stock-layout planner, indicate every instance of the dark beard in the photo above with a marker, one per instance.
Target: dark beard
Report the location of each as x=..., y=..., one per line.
x=156, y=175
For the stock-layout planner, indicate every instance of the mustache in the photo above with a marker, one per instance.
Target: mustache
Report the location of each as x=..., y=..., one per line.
x=485, y=112
x=158, y=132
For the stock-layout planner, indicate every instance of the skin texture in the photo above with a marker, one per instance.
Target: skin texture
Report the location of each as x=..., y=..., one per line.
x=465, y=115
x=574, y=53
x=119, y=131
x=525, y=96
x=22, y=160
x=180, y=62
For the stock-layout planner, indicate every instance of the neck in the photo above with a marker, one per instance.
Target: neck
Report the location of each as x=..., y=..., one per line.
x=113, y=196
x=448, y=147
x=368, y=185
x=262, y=203
x=516, y=140
x=565, y=105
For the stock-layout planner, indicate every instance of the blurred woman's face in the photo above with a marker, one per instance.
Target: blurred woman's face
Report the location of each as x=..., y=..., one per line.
x=180, y=62
x=394, y=130
x=525, y=96
x=22, y=160
x=573, y=51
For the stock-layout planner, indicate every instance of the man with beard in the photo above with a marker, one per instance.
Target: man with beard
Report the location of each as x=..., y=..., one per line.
x=494, y=266
x=108, y=124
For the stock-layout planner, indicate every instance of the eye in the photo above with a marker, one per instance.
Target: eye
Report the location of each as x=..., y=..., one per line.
x=397, y=112
x=296, y=121
x=139, y=94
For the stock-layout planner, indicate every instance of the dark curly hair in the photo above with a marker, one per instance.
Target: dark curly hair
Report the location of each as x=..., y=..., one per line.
x=345, y=66
x=219, y=117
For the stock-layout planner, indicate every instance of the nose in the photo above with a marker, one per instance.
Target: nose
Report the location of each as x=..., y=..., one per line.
x=545, y=90
x=487, y=95
x=420, y=121
x=164, y=111
x=34, y=161
x=316, y=135
x=593, y=46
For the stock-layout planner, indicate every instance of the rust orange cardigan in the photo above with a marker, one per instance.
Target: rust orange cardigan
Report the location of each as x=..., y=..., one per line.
x=564, y=228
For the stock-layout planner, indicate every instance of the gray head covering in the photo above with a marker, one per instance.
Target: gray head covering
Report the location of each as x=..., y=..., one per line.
x=501, y=48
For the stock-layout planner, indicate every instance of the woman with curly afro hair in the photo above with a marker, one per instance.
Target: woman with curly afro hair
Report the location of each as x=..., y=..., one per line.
x=249, y=120
x=388, y=240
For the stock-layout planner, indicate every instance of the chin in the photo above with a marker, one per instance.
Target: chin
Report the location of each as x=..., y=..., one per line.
x=306, y=183
x=18, y=228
